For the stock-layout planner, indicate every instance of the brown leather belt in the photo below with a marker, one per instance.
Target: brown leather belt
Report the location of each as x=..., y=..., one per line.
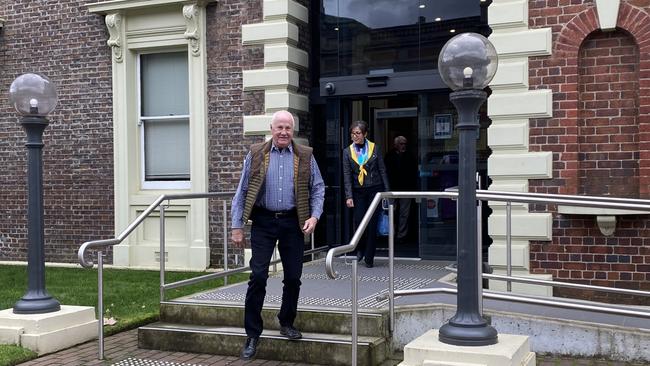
x=276, y=214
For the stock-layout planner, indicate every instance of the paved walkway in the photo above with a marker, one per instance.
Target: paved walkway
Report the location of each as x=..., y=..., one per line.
x=122, y=350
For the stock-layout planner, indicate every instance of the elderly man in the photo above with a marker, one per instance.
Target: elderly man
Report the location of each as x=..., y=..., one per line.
x=282, y=191
x=402, y=176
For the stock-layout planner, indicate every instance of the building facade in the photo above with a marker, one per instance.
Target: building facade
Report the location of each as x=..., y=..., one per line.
x=165, y=96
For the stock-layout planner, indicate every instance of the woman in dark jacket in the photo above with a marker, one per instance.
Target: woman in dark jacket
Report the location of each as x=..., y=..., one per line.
x=364, y=174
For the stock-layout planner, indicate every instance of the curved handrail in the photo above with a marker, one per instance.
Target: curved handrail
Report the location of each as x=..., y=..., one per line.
x=329, y=261
x=93, y=244
x=582, y=201
x=486, y=195
x=567, y=197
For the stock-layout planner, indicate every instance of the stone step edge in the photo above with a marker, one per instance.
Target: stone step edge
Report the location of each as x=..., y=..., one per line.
x=362, y=312
x=266, y=334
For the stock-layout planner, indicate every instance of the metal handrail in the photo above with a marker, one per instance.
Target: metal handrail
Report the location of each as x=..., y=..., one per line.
x=104, y=243
x=216, y=275
x=484, y=195
x=526, y=299
x=158, y=203
x=536, y=281
x=343, y=249
x=95, y=244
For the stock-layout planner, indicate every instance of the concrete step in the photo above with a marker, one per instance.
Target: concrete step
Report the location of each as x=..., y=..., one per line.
x=321, y=321
x=317, y=348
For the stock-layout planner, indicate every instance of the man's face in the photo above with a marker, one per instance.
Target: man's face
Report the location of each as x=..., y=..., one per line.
x=400, y=146
x=282, y=131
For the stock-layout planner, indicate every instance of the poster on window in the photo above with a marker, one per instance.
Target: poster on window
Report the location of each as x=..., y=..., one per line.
x=442, y=127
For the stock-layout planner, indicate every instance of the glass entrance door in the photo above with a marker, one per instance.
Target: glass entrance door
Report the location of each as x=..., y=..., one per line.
x=427, y=121
x=396, y=132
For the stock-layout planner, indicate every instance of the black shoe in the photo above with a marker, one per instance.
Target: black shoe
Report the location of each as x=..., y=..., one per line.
x=250, y=348
x=369, y=265
x=359, y=257
x=290, y=332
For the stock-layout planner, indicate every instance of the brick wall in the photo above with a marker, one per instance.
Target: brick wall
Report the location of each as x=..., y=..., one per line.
x=227, y=104
x=599, y=136
x=608, y=135
x=67, y=44
x=227, y=58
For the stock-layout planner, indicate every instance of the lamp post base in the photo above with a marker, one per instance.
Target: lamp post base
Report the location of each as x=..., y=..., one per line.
x=36, y=305
x=474, y=335
x=512, y=350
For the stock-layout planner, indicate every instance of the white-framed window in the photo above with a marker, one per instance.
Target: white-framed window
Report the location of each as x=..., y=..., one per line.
x=164, y=120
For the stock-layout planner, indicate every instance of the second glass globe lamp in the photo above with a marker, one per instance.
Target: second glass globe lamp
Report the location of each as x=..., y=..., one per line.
x=467, y=61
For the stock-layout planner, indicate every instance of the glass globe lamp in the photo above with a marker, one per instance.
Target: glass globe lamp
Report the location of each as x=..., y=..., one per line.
x=33, y=95
x=467, y=61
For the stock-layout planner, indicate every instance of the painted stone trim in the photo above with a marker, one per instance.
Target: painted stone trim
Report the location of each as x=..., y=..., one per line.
x=183, y=30
x=109, y=6
x=513, y=104
x=280, y=77
x=191, y=15
x=607, y=13
x=115, y=30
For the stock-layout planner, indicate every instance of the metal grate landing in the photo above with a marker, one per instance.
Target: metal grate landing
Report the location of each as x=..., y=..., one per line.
x=320, y=291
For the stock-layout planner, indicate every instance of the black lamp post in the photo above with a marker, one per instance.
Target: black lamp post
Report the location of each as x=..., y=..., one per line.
x=466, y=64
x=34, y=97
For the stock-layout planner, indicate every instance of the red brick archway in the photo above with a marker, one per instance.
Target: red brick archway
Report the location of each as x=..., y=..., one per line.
x=634, y=21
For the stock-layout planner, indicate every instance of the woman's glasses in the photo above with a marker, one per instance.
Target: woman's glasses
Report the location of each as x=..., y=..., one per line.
x=356, y=133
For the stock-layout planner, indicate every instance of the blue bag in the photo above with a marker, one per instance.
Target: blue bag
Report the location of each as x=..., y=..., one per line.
x=382, y=224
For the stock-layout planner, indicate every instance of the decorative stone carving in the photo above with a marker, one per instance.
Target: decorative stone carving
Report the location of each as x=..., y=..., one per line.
x=191, y=15
x=607, y=13
x=114, y=24
x=606, y=224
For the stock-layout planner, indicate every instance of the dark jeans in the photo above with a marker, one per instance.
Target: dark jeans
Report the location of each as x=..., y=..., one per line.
x=266, y=230
x=362, y=198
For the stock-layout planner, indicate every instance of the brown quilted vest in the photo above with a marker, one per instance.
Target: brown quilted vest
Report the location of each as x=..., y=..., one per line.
x=301, y=176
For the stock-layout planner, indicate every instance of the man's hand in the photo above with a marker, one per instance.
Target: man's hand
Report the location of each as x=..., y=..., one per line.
x=349, y=202
x=237, y=237
x=310, y=225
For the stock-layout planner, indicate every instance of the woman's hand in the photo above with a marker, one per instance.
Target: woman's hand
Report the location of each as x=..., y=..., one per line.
x=349, y=202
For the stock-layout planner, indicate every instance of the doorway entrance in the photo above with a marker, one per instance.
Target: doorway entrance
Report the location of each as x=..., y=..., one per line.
x=426, y=120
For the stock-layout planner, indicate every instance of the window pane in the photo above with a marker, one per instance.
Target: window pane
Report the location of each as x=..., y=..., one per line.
x=167, y=150
x=383, y=36
x=164, y=83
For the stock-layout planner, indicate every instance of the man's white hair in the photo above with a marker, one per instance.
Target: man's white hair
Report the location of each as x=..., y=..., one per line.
x=283, y=113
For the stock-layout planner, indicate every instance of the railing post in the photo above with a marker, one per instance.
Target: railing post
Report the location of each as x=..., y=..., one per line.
x=100, y=301
x=161, y=256
x=355, y=305
x=313, y=244
x=391, y=267
x=225, y=239
x=509, y=244
x=275, y=257
x=479, y=242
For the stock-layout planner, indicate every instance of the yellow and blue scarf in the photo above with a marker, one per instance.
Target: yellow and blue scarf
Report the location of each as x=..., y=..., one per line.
x=361, y=158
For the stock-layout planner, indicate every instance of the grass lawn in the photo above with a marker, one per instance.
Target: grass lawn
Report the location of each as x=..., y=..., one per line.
x=130, y=296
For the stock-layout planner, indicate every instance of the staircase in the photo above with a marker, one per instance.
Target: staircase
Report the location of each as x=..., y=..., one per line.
x=217, y=329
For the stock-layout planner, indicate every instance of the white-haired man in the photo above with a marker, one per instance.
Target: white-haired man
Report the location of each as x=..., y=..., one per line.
x=281, y=190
